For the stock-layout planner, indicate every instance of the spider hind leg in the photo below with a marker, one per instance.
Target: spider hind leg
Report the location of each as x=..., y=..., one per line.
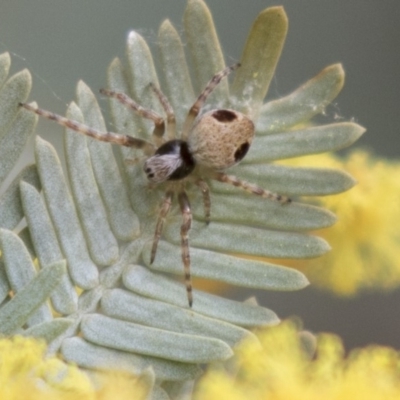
x=185, y=228
x=251, y=188
x=205, y=191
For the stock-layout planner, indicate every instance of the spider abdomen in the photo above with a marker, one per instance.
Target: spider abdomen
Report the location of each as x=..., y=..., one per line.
x=220, y=138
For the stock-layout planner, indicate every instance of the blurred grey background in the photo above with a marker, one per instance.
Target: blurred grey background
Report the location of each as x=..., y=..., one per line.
x=64, y=41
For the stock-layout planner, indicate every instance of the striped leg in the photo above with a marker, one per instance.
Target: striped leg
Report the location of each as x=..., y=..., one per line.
x=165, y=207
x=205, y=190
x=185, y=228
x=159, y=124
x=196, y=107
x=110, y=137
x=251, y=188
x=171, y=122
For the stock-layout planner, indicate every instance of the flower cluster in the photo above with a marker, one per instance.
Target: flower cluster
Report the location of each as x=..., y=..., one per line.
x=283, y=370
x=365, y=240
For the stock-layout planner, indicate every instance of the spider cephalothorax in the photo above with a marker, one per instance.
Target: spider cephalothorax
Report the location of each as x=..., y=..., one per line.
x=215, y=140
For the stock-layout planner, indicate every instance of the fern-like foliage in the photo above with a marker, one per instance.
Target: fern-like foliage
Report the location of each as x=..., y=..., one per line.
x=95, y=238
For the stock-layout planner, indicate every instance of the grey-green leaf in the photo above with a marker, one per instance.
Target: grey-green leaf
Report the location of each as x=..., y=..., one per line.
x=49, y=331
x=307, y=141
x=121, y=304
x=141, y=74
x=259, y=59
x=228, y=238
x=226, y=268
x=13, y=142
x=5, y=63
x=20, y=271
x=89, y=355
x=307, y=101
x=102, y=244
x=14, y=91
x=123, y=221
x=292, y=181
x=11, y=211
x=205, y=50
x=127, y=336
x=63, y=214
x=245, y=209
x=175, y=70
x=140, y=280
x=15, y=313
x=47, y=249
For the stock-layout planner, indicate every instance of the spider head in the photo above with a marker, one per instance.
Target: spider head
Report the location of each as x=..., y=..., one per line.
x=220, y=138
x=171, y=161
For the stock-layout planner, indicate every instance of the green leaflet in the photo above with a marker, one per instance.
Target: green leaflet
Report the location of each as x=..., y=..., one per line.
x=49, y=331
x=20, y=308
x=266, y=214
x=123, y=221
x=64, y=298
x=11, y=211
x=89, y=355
x=304, y=103
x=13, y=143
x=175, y=70
x=311, y=140
x=204, y=49
x=226, y=268
x=259, y=59
x=292, y=181
x=20, y=271
x=140, y=280
x=63, y=213
x=102, y=244
x=118, y=334
x=128, y=306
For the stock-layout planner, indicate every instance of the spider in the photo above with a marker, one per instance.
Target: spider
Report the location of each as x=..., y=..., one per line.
x=209, y=143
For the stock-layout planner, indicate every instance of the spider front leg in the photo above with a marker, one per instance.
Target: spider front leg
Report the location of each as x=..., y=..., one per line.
x=250, y=187
x=185, y=228
x=196, y=107
x=165, y=207
x=171, y=121
x=159, y=123
x=110, y=137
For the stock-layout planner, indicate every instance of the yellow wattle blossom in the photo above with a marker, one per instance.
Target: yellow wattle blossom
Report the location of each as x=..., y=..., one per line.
x=366, y=238
x=26, y=374
x=283, y=370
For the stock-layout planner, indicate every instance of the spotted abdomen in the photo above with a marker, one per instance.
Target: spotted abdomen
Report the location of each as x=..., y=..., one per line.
x=221, y=138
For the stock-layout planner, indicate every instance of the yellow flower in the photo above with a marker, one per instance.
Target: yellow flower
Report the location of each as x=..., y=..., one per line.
x=26, y=374
x=283, y=370
x=365, y=240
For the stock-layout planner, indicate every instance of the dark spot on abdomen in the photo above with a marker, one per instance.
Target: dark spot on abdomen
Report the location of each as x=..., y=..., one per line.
x=224, y=115
x=241, y=151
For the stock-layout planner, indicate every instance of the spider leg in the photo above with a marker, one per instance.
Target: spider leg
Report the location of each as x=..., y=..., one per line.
x=111, y=137
x=250, y=187
x=205, y=190
x=171, y=122
x=165, y=207
x=159, y=124
x=185, y=227
x=196, y=107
